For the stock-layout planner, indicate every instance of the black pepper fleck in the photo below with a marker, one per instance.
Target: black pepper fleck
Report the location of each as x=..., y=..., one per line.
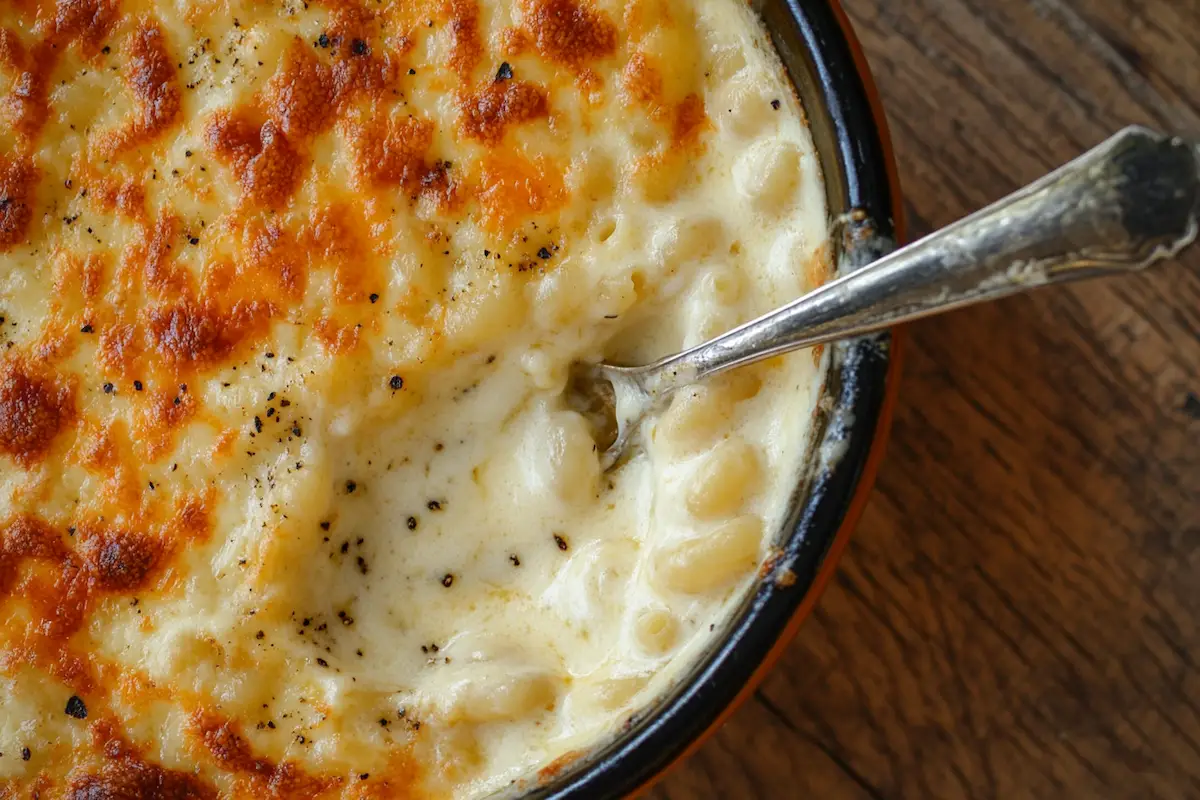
x=86, y=329
x=560, y=541
x=434, y=505
x=137, y=386
x=258, y=424
x=396, y=382
x=322, y=662
x=543, y=253
x=108, y=388
x=359, y=47
x=350, y=487
x=448, y=580
x=374, y=298
x=775, y=104
x=412, y=523
x=323, y=40
x=505, y=72
x=325, y=525
x=516, y=562
x=1191, y=405
x=76, y=708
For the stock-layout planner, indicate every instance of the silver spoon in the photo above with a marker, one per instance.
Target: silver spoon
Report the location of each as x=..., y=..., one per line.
x=1127, y=204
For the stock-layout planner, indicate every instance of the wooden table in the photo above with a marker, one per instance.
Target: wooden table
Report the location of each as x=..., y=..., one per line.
x=1019, y=612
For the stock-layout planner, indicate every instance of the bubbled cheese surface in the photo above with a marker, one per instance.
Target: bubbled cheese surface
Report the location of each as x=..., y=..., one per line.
x=291, y=503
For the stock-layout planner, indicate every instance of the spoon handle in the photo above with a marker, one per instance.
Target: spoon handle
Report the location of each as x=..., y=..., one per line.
x=1121, y=207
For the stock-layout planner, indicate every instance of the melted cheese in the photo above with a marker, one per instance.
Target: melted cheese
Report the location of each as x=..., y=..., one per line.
x=290, y=499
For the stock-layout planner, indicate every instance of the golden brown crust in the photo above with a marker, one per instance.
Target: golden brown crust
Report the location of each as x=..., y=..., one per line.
x=18, y=179
x=126, y=775
x=466, y=48
x=151, y=78
x=35, y=406
x=259, y=154
x=569, y=33
x=85, y=21
x=134, y=779
x=487, y=113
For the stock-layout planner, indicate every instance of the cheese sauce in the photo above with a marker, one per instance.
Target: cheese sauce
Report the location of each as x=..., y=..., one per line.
x=291, y=503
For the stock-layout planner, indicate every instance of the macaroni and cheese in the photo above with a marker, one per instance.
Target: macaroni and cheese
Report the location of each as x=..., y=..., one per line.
x=291, y=502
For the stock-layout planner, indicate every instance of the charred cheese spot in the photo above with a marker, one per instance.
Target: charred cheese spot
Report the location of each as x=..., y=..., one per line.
x=191, y=334
x=25, y=107
x=151, y=78
x=85, y=21
x=569, y=33
x=18, y=179
x=259, y=154
x=119, y=560
x=35, y=407
x=129, y=779
x=389, y=152
x=22, y=538
x=306, y=95
x=394, y=152
x=299, y=96
x=466, y=49
x=488, y=112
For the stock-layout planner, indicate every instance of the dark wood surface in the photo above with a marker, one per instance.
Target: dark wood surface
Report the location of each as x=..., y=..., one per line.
x=1018, y=614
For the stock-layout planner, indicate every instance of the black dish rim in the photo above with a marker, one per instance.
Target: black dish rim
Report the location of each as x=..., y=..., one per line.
x=819, y=54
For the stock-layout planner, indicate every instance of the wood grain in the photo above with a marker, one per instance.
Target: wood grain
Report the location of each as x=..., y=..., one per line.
x=1019, y=612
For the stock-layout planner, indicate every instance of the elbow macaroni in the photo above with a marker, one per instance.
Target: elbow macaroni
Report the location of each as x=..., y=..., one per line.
x=290, y=498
